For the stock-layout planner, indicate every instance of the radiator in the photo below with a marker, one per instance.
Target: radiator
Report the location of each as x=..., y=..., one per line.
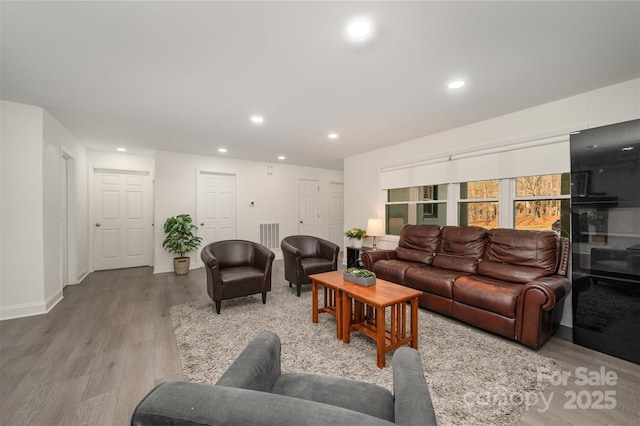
x=270, y=235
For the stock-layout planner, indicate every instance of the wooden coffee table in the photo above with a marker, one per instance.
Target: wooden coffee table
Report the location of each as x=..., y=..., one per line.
x=363, y=309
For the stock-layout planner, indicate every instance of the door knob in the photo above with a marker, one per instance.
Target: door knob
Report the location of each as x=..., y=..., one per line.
x=202, y=224
x=98, y=224
x=301, y=222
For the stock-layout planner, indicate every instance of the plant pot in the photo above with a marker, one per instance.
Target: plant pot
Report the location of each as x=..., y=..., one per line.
x=357, y=243
x=363, y=281
x=181, y=265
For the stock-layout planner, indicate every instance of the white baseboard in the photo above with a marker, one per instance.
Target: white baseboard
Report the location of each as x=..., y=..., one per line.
x=22, y=310
x=52, y=301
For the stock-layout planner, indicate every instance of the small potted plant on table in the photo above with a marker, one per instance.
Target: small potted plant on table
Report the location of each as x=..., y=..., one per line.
x=356, y=234
x=180, y=240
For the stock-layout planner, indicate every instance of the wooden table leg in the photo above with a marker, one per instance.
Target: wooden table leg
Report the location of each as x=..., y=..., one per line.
x=314, y=301
x=346, y=318
x=339, y=319
x=414, y=323
x=380, y=329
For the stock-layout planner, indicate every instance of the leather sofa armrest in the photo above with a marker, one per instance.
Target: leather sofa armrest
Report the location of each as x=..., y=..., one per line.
x=329, y=250
x=412, y=398
x=539, y=309
x=554, y=288
x=369, y=258
x=289, y=250
x=208, y=258
x=258, y=365
x=188, y=404
x=262, y=257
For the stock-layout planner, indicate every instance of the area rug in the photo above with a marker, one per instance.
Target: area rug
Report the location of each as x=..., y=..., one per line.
x=475, y=378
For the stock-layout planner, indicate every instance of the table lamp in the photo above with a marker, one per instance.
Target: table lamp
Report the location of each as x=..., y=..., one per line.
x=375, y=228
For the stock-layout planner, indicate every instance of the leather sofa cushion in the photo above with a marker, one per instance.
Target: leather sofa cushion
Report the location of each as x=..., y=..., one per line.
x=432, y=280
x=536, y=249
x=487, y=293
x=456, y=263
x=315, y=265
x=393, y=270
x=413, y=255
x=463, y=241
x=514, y=273
x=420, y=237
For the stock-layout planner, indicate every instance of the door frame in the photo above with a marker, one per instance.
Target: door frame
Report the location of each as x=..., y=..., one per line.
x=199, y=263
x=91, y=200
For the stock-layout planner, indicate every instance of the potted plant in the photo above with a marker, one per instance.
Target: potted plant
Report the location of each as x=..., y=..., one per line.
x=356, y=234
x=180, y=240
x=360, y=276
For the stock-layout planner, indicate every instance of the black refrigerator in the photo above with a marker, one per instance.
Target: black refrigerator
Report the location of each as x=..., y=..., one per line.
x=605, y=238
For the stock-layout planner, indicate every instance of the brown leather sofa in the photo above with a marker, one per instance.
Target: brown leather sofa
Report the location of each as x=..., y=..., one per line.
x=237, y=268
x=510, y=282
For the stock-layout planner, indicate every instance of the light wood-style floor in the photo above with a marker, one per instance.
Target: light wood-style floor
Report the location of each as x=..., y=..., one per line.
x=110, y=340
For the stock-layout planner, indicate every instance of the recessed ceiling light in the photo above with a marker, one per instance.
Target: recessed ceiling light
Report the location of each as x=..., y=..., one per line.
x=359, y=29
x=281, y=157
x=256, y=119
x=222, y=150
x=333, y=136
x=121, y=149
x=456, y=84
x=627, y=148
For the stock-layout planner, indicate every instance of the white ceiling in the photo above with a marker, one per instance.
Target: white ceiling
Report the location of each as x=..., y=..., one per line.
x=187, y=76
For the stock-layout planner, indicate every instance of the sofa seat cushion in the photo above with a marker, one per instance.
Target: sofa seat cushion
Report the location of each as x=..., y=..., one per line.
x=487, y=293
x=393, y=270
x=366, y=398
x=432, y=280
x=315, y=265
x=240, y=274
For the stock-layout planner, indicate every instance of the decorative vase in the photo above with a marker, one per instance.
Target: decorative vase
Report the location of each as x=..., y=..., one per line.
x=357, y=242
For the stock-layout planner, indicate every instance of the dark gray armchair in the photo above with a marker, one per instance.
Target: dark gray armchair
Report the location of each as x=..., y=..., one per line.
x=253, y=391
x=305, y=255
x=237, y=268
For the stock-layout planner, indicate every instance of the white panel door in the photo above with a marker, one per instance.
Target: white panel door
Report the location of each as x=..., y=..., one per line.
x=216, y=207
x=123, y=219
x=336, y=213
x=64, y=223
x=309, y=202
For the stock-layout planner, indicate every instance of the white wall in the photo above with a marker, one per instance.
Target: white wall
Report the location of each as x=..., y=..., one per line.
x=58, y=140
x=22, y=269
x=275, y=195
x=613, y=104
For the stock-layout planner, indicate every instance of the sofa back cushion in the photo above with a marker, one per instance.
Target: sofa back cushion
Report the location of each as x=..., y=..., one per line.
x=519, y=255
x=460, y=248
x=418, y=243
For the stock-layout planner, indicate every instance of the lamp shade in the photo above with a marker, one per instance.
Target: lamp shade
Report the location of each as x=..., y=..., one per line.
x=375, y=227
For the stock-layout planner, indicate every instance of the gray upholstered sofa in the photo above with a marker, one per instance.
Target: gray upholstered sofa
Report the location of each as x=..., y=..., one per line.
x=253, y=391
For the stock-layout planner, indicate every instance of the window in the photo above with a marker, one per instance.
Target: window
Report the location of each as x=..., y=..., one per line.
x=542, y=202
x=482, y=209
x=424, y=205
x=538, y=202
